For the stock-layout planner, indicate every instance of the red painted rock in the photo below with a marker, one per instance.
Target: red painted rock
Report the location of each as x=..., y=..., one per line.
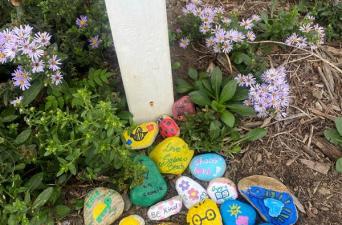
x=183, y=106
x=168, y=127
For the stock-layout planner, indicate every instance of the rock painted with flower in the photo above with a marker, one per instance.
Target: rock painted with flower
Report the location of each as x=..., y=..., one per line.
x=168, y=127
x=204, y=213
x=271, y=198
x=222, y=189
x=132, y=220
x=237, y=212
x=142, y=136
x=102, y=206
x=154, y=187
x=172, y=155
x=165, y=209
x=190, y=191
x=183, y=106
x=208, y=166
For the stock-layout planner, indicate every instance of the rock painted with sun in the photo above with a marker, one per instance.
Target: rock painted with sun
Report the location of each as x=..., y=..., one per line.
x=208, y=166
x=204, y=213
x=190, y=191
x=132, y=220
x=222, y=189
x=271, y=198
x=168, y=127
x=142, y=136
x=183, y=106
x=172, y=155
x=165, y=209
x=238, y=213
x=102, y=206
x=154, y=187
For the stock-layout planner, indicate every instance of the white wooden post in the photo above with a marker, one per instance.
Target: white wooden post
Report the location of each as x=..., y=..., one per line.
x=140, y=33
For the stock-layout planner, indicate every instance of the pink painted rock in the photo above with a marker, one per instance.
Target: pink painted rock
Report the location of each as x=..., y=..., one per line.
x=182, y=106
x=165, y=209
x=168, y=127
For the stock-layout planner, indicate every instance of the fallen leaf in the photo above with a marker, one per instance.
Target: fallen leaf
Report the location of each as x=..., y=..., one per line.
x=317, y=166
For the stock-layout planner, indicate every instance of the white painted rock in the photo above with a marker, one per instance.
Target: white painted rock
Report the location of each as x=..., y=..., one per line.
x=165, y=209
x=222, y=189
x=190, y=191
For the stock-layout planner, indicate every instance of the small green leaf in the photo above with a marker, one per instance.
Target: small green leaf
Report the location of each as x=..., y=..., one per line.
x=339, y=165
x=228, y=91
x=333, y=136
x=228, y=118
x=42, y=198
x=200, y=98
x=183, y=86
x=216, y=80
x=193, y=74
x=9, y=118
x=176, y=65
x=214, y=129
x=240, y=94
x=22, y=137
x=241, y=109
x=338, y=123
x=255, y=134
x=62, y=211
x=35, y=181
x=31, y=93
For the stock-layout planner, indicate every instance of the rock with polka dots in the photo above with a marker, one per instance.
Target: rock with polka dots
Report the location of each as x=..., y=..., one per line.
x=168, y=127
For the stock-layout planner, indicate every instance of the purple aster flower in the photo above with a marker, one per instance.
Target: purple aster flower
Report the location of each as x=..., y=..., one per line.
x=35, y=52
x=3, y=58
x=190, y=8
x=94, y=42
x=82, y=21
x=184, y=42
x=57, y=78
x=247, y=24
x=227, y=46
x=205, y=28
x=235, y=35
x=296, y=41
x=21, y=78
x=184, y=185
x=37, y=66
x=42, y=39
x=11, y=50
x=54, y=63
x=220, y=36
x=255, y=18
x=16, y=102
x=22, y=32
x=210, y=42
x=250, y=36
x=226, y=20
x=245, y=80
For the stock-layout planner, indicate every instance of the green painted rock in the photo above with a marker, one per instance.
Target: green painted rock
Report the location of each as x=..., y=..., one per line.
x=102, y=206
x=154, y=187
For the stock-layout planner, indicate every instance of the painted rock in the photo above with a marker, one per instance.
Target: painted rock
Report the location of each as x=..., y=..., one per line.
x=165, y=209
x=172, y=155
x=142, y=136
x=154, y=187
x=168, y=223
x=222, y=189
x=168, y=127
x=204, y=213
x=132, y=220
x=236, y=212
x=183, y=106
x=102, y=206
x=190, y=191
x=271, y=198
x=208, y=166
x=266, y=224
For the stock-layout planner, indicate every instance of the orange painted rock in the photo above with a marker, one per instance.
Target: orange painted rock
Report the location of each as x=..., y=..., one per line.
x=168, y=127
x=183, y=106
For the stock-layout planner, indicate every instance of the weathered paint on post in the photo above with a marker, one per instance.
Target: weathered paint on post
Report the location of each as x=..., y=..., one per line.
x=140, y=34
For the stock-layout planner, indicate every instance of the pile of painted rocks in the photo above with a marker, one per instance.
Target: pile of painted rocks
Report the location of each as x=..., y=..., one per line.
x=215, y=205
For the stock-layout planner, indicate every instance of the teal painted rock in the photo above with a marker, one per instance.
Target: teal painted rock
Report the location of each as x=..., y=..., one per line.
x=208, y=166
x=236, y=212
x=154, y=187
x=271, y=198
x=102, y=206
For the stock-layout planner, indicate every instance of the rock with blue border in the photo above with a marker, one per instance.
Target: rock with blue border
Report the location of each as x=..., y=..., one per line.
x=271, y=198
x=238, y=213
x=265, y=224
x=207, y=166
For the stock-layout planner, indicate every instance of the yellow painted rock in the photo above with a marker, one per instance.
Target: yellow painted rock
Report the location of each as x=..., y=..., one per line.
x=142, y=136
x=172, y=155
x=132, y=220
x=204, y=213
x=167, y=223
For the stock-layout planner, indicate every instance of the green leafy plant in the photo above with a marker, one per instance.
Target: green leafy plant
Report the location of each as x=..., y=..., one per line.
x=221, y=95
x=335, y=137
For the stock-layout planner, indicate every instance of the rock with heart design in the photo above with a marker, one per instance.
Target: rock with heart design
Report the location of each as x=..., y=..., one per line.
x=154, y=187
x=183, y=106
x=190, y=191
x=265, y=224
x=222, y=189
x=142, y=136
x=165, y=209
x=236, y=212
x=168, y=127
x=204, y=213
x=207, y=166
x=271, y=198
x=102, y=206
x=172, y=155
x=132, y=220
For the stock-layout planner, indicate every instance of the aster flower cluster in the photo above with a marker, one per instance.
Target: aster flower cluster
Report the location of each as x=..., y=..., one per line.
x=310, y=35
x=29, y=50
x=272, y=95
x=94, y=41
x=221, y=32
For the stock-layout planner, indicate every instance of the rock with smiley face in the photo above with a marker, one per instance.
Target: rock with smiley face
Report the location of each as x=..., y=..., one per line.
x=142, y=136
x=204, y=213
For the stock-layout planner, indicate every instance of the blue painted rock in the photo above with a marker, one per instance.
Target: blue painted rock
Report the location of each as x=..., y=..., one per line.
x=271, y=198
x=221, y=189
x=236, y=212
x=165, y=209
x=190, y=191
x=168, y=127
x=142, y=136
x=208, y=166
x=154, y=187
x=266, y=224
